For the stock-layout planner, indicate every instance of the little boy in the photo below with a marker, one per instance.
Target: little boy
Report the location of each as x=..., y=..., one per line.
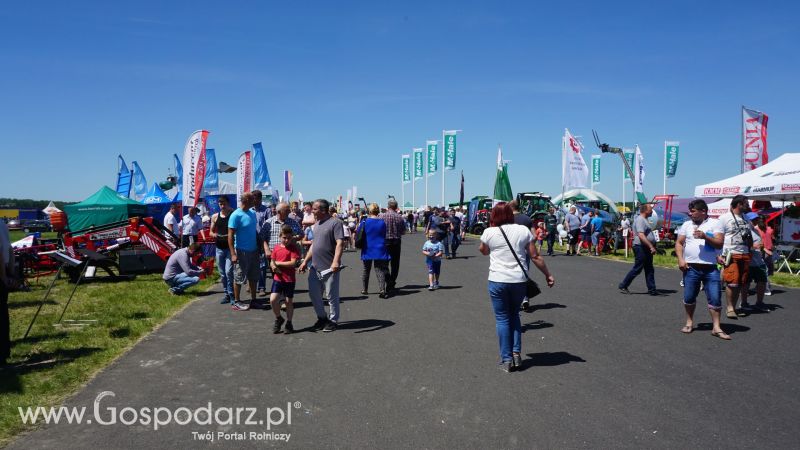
x=433, y=250
x=283, y=263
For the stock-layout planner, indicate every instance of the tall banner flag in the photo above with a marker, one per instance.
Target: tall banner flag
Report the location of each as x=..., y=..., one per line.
x=124, y=177
x=287, y=181
x=418, y=164
x=754, y=139
x=139, y=183
x=406, y=169
x=671, y=148
x=433, y=147
x=194, y=160
x=450, y=150
x=502, y=184
x=244, y=175
x=355, y=194
x=261, y=178
x=211, y=183
x=595, y=169
x=178, y=171
x=629, y=156
x=575, y=173
x=638, y=170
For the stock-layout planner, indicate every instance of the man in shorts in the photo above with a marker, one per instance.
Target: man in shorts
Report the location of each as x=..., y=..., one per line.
x=736, y=252
x=697, y=248
x=572, y=225
x=758, y=270
x=243, y=242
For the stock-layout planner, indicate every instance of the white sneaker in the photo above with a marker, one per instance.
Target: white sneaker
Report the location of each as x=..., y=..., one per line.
x=768, y=293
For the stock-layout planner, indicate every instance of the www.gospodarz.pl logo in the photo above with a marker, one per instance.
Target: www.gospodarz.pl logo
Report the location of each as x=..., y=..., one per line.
x=157, y=416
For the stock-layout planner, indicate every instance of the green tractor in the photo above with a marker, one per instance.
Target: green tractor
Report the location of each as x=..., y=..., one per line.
x=534, y=204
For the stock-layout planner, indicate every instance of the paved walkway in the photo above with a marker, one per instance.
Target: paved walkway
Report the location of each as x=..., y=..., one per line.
x=602, y=370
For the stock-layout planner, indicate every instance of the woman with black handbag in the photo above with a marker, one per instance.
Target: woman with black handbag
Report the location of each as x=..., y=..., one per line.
x=371, y=239
x=507, y=244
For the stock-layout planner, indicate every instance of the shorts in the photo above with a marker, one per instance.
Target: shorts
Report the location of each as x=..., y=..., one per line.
x=573, y=236
x=285, y=288
x=758, y=273
x=736, y=273
x=246, y=267
x=434, y=267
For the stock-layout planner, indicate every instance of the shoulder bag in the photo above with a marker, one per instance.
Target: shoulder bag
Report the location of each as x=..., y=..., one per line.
x=531, y=288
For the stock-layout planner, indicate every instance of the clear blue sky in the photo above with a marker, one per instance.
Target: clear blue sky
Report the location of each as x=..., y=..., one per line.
x=337, y=91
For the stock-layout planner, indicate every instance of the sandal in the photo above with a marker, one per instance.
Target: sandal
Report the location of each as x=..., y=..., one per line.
x=732, y=315
x=721, y=335
x=687, y=329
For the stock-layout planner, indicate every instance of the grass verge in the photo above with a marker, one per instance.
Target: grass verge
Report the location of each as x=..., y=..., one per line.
x=56, y=360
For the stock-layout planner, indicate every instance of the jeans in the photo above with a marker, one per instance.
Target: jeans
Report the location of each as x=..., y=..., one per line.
x=643, y=260
x=181, y=282
x=262, y=272
x=331, y=284
x=225, y=267
x=709, y=276
x=551, y=239
x=506, y=301
x=455, y=242
x=445, y=238
x=393, y=246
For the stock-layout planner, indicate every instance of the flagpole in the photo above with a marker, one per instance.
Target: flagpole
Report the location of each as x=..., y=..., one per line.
x=665, y=168
x=425, y=174
x=443, y=204
x=741, y=140
x=403, y=184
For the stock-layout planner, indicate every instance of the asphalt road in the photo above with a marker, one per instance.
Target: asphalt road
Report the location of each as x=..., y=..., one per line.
x=419, y=370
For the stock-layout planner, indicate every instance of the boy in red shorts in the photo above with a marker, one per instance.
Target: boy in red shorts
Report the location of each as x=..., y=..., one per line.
x=284, y=260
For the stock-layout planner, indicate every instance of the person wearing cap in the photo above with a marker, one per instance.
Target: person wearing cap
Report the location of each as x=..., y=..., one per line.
x=757, y=271
x=697, y=248
x=736, y=252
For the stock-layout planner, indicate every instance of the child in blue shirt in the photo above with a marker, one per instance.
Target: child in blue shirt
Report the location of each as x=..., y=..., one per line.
x=433, y=250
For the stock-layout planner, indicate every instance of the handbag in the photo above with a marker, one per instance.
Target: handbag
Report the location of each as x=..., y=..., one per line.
x=531, y=288
x=361, y=236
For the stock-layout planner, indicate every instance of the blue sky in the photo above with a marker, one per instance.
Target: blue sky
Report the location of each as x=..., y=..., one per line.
x=337, y=91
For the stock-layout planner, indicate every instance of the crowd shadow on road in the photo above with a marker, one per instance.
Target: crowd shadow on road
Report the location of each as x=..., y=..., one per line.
x=544, y=306
x=402, y=292
x=548, y=359
x=365, y=325
x=729, y=328
x=425, y=286
x=537, y=325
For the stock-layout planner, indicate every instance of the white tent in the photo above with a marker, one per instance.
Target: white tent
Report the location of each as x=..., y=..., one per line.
x=778, y=180
x=585, y=195
x=51, y=208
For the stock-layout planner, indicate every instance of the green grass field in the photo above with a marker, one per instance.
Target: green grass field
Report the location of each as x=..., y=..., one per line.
x=56, y=360
x=19, y=234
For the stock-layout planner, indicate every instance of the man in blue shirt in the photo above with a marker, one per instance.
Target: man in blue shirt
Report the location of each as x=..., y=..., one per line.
x=596, y=225
x=243, y=242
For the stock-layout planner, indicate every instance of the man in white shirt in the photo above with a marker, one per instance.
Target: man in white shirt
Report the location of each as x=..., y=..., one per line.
x=697, y=247
x=190, y=225
x=738, y=244
x=171, y=220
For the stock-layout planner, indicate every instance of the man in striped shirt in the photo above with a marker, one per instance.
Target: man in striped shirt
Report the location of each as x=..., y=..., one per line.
x=395, y=228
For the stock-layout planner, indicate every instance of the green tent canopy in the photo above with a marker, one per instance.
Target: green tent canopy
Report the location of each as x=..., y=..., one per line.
x=102, y=207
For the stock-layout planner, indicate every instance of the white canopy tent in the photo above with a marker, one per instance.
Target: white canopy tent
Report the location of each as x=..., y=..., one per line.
x=586, y=195
x=51, y=208
x=778, y=180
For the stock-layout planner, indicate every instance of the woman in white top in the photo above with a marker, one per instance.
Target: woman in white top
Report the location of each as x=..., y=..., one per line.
x=507, y=280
